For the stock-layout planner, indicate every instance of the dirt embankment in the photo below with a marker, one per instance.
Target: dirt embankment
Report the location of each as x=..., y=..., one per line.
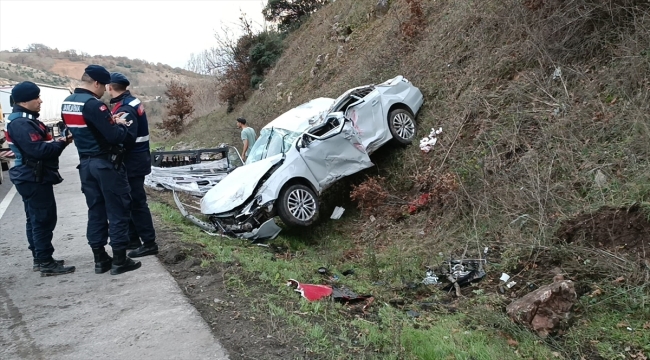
x=228, y=313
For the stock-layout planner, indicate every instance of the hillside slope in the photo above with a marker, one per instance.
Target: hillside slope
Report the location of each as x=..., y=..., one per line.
x=529, y=94
x=544, y=155
x=64, y=68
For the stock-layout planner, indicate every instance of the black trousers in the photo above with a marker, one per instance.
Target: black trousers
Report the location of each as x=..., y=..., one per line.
x=40, y=211
x=141, y=224
x=108, y=198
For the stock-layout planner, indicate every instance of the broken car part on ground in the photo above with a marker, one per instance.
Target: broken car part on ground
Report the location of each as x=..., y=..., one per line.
x=303, y=152
x=314, y=292
x=191, y=171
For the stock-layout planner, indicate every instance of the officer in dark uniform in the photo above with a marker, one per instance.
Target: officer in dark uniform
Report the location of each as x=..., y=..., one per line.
x=34, y=172
x=98, y=137
x=138, y=165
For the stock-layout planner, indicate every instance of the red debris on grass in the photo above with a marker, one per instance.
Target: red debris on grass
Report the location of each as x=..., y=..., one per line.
x=311, y=292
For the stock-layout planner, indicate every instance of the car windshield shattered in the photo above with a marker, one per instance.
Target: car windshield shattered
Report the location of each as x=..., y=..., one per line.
x=270, y=143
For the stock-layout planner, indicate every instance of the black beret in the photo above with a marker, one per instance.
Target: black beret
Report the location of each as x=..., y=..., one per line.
x=25, y=91
x=99, y=74
x=118, y=78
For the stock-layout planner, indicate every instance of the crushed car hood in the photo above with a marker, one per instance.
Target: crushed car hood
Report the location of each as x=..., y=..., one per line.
x=301, y=117
x=237, y=187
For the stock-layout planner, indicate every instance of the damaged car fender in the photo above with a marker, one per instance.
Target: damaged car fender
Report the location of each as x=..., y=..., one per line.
x=399, y=90
x=279, y=180
x=237, y=187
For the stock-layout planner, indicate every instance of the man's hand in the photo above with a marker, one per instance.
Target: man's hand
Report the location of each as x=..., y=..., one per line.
x=243, y=159
x=117, y=119
x=68, y=139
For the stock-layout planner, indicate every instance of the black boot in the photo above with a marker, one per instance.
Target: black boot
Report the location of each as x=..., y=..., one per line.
x=52, y=268
x=144, y=250
x=134, y=243
x=122, y=264
x=37, y=264
x=103, y=262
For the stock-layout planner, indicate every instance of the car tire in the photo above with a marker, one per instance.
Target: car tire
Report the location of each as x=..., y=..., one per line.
x=298, y=205
x=5, y=166
x=402, y=126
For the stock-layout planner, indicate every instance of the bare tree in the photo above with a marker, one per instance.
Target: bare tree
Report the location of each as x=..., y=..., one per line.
x=227, y=53
x=205, y=95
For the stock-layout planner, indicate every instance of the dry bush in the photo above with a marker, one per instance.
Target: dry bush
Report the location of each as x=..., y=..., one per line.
x=436, y=191
x=370, y=195
x=234, y=85
x=178, y=107
x=433, y=191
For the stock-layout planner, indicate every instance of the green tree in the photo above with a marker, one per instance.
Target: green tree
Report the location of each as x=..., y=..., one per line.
x=288, y=14
x=265, y=51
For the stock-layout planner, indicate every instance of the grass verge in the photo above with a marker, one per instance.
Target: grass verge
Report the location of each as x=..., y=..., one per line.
x=439, y=325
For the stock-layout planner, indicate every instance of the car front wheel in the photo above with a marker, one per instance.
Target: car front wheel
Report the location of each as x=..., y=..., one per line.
x=402, y=126
x=298, y=205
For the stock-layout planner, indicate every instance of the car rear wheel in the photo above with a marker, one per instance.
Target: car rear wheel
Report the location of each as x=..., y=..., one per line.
x=298, y=205
x=402, y=126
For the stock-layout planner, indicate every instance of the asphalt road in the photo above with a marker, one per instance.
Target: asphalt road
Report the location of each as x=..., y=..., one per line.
x=138, y=315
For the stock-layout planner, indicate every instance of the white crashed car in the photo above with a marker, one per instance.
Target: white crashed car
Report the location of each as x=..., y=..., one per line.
x=303, y=152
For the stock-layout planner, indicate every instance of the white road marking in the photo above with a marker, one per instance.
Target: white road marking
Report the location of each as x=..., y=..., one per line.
x=7, y=200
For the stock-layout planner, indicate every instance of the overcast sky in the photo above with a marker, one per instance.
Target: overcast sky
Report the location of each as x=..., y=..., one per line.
x=165, y=31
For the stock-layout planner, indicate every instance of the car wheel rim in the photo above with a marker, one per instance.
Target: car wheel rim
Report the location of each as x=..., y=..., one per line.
x=404, y=126
x=301, y=204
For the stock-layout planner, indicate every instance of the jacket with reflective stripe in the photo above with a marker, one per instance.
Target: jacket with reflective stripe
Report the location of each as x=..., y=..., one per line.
x=72, y=114
x=37, y=144
x=138, y=157
x=142, y=130
x=83, y=112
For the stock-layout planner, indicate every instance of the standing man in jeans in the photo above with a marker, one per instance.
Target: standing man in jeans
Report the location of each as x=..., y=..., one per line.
x=248, y=137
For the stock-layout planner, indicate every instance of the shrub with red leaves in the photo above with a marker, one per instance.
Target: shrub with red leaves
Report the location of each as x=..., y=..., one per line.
x=370, y=195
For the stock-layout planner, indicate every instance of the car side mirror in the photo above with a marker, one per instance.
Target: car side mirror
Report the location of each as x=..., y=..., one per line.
x=300, y=143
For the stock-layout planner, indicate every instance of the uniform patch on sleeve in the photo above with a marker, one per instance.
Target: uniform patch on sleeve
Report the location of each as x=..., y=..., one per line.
x=34, y=137
x=103, y=108
x=140, y=110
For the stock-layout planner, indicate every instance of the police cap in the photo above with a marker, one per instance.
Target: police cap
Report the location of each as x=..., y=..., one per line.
x=99, y=74
x=118, y=78
x=25, y=91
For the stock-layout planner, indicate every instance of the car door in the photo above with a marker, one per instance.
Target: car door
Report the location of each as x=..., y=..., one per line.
x=367, y=116
x=333, y=150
